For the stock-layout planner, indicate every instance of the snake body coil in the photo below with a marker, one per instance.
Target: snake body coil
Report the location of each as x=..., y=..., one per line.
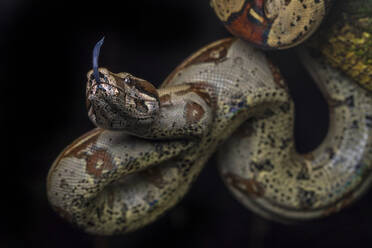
x=346, y=39
x=272, y=24
x=151, y=144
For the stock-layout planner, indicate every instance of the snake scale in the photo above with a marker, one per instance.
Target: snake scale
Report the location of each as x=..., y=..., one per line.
x=150, y=144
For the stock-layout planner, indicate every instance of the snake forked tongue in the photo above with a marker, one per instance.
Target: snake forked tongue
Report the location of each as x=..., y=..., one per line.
x=96, y=51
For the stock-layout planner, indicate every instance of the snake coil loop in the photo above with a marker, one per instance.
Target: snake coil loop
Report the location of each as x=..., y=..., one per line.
x=272, y=24
x=151, y=144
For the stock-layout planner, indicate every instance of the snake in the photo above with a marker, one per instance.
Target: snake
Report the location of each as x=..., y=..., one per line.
x=272, y=24
x=346, y=39
x=151, y=143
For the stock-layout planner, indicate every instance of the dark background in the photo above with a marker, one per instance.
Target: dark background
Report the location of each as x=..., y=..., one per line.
x=45, y=52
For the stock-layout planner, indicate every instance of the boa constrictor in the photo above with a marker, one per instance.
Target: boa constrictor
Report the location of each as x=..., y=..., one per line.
x=151, y=144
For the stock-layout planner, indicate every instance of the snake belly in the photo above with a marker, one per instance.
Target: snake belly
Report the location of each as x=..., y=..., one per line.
x=111, y=182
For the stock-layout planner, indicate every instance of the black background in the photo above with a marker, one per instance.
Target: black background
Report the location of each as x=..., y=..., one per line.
x=45, y=52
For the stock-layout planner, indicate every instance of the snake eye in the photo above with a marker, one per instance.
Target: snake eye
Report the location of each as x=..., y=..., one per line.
x=127, y=80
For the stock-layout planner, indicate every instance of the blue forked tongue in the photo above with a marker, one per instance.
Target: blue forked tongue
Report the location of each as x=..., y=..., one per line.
x=96, y=50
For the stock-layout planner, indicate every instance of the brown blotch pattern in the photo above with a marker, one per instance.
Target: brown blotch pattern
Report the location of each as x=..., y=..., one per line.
x=248, y=187
x=76, y=151
x=99, y=161
x=193, y=112
x=203, y=90
x=278, y=78
x=241, y=26
x=213, y=54
x=99, y=155
x=203, y=56
x=165, y=100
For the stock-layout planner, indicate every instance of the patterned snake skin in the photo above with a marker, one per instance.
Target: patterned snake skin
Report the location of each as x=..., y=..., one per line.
x=151, y=144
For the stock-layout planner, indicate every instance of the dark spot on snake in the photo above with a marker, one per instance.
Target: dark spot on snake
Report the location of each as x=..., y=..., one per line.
x=246, y=130
x=289, y=173
x=272, y=140
x=263, y=166
x=63, y=184
x=331, y=152
x=355, y=124
x=369, y=121
x=303, y=174
x=350, y=101
x=285, y=143
x=285, y=107
x=306, y=198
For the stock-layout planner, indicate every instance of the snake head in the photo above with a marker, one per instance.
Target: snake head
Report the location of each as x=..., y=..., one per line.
x=120, y=101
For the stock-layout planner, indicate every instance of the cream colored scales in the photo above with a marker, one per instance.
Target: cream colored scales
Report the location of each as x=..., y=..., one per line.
x=227, y=94
x=272, y=24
